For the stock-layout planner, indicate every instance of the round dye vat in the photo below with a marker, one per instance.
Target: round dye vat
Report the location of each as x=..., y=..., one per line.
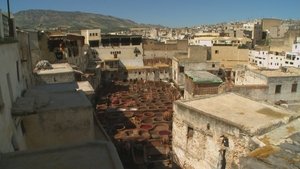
x=147, y=120
x=156, y=119
x=128, y=114
x=149, y=114
x=146, y=126
x=164, y=132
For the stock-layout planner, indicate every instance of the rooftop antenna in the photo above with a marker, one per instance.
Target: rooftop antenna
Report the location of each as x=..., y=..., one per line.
x=8, y=9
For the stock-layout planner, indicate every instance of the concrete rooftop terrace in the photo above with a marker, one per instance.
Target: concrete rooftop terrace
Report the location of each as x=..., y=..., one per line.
x=51, y=97
x=93, y=155
x=201, y=77
x=57, y=68
x=248, y=115
x=291, y=72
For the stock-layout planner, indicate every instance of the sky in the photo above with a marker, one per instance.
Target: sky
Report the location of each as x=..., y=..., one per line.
x=172, y=13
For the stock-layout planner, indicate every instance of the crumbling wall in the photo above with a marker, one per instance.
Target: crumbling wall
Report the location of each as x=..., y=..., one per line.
x=55, y=78
x=58, y=127
x=211, y=142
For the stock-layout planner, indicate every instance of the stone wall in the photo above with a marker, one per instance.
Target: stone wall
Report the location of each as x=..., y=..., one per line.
x=122, y=52
x=286, y=86
x=11, y=87
x=229, y=56
x=197, y=140
x=59, y=127
x=194, y=89
x=54, y=78
x=255, y=92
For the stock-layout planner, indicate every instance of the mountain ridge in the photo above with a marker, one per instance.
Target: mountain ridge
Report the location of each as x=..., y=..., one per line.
x=73, y=20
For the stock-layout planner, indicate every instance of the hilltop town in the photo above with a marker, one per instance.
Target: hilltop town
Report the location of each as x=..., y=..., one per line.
x=214, y=96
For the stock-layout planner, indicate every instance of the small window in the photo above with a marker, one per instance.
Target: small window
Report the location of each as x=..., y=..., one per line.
x=190, y=132
x=181, y=69
x=216, y=51
x=213, y=65
x=1, y=101
x=18, y=73
x=294, y=87
x=277, y=89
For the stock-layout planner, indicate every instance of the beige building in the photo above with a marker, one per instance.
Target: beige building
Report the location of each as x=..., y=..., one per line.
x=194, y=60
x=268, y=23
x=92, y=37
x=55, y=115
x=270, y=85
x=59, y=47
x=168, y=49
x=201, y=83
x=217, y=131
x=229, y=56
x=58, y=73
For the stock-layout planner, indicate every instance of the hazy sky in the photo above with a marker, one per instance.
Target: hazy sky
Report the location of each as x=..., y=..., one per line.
x=173, y=13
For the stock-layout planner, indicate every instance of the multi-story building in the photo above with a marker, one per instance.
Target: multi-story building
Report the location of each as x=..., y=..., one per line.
x=220, y=131
x=266, y=84
x=92, y=37
x=275, y=60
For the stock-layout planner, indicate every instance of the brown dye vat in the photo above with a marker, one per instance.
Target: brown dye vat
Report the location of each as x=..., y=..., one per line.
x=146, y=126
x=147, y=120
x=157, y=119
x=128, y=114
x=139, y=115
x=154, y=134
x=160, y=127
x=149, y=114
x=164, y=132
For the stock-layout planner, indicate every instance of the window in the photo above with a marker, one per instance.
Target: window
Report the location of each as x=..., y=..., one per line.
x=18, y=73
x=190, y=132
x=216, y=51
x=10, y=90
x=294, y=87
x=1, y=101
x=213, y=65
x=181, y=69
x=277, y=89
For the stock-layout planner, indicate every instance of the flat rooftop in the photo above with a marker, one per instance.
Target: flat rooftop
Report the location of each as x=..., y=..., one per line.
x=93, y=155
x=50, y=97
x=278, y=72
x=203, y=77
x=85, y=86
x=57, y=68
x=281, y=147
x=239, y=111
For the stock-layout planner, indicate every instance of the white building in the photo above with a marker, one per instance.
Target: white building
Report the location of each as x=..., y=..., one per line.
x=275, y=60
x=266, y=59
x=92, y=37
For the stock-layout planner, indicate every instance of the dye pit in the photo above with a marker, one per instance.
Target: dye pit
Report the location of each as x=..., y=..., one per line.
x=138, y=118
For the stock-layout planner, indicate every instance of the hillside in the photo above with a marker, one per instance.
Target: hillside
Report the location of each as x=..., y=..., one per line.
x=47, y=19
